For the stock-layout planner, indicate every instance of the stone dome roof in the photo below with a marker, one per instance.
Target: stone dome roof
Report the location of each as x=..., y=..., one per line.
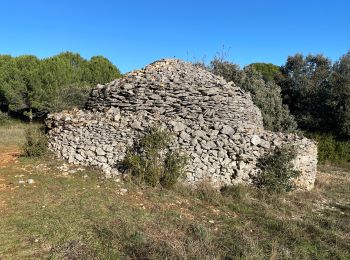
x=172, y=87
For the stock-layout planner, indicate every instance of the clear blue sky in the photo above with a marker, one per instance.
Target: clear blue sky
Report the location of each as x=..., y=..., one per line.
x=134, y=33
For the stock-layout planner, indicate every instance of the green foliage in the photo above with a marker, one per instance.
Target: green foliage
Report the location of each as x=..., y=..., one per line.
x=268, y=71
x=332, y=150
x=317, y=92
x=70, y=96
x=305, y=90
x=3, y=118
x=35, y=142
x=150, y=163
x=266, y=96
x=35, y=87
x=100, y=71
x=340, y=95
x=174, y=164
x=277, y=172
x=310, y=90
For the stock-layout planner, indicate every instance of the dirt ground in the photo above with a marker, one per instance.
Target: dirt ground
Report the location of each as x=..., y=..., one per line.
x=8, y=155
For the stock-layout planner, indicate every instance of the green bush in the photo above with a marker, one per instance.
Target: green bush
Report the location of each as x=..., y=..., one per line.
x=33, y=87
x=331, y=150
x=277, y=171
x=69, y=97
x=4, y=117
x=265, y=95
x=149, y=162
x=35, y=142
x=269, y=71
x=174, y=164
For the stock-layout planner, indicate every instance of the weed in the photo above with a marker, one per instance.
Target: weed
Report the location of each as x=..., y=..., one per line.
x=149, y=161
x=277, y=171
x=174, y=164
x=35, y=142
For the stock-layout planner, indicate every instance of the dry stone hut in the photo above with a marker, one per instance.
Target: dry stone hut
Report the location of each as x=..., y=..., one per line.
x=215, y=123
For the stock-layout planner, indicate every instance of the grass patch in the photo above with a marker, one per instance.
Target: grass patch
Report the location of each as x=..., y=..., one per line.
x=12, y=133
x=81, y=216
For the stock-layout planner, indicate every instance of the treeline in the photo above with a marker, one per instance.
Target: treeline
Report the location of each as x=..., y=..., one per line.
x=317, y=92
x=310, y=92
x=33, y=87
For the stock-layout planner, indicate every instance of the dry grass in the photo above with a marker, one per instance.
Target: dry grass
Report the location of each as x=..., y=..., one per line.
x=80, y=216
x=12, y=135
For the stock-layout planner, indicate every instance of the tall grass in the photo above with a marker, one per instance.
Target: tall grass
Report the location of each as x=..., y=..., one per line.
x=12, y=133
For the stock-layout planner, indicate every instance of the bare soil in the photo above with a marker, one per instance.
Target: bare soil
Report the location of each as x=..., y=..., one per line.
x=8, y=156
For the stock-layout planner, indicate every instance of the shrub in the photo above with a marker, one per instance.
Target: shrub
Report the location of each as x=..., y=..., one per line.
x=269, y=71
x=332, y=150
x=265, y=95
x=69, y=96
x=277, y=171
x=4, y=117
x=174, y=164
x=35, y=142
x=149, y=162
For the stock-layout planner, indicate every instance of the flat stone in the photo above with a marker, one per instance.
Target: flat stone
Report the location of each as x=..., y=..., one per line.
x=185, y=136
x=100, y=152
x=79, y=157
x=255, y=140
x=136, y=125
x=265, y=144
x=212, y=91
x=178, y=126
x=200, y=135
x=227, y=130
x=211, y=145
x=128, y=86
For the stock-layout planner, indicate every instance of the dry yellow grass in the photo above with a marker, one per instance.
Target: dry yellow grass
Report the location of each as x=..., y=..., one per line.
x=12, y=135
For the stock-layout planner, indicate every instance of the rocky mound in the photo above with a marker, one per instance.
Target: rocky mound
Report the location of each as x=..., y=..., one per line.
x=216, y=124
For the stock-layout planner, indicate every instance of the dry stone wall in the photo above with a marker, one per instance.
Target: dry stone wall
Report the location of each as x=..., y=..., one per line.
x=215, y=123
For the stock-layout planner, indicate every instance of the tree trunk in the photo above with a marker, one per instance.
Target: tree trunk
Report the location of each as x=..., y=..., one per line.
x=30, y=115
